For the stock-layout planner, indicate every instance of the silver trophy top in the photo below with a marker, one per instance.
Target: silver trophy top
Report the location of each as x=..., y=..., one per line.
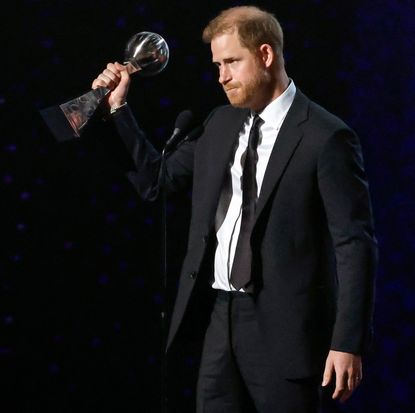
x=146, y=53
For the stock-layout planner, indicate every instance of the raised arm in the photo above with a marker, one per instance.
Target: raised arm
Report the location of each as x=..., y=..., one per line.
x=179, y=166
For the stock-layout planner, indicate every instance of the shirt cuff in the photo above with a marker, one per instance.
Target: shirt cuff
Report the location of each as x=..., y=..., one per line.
x=114, y=109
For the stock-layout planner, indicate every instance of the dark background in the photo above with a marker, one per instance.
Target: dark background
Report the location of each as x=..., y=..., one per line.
x=80, y=279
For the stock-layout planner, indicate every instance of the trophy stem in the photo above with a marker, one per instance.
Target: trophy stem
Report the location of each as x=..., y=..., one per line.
x=132, y=68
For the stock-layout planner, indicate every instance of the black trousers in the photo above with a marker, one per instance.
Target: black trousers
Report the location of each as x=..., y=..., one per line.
x=234, y=376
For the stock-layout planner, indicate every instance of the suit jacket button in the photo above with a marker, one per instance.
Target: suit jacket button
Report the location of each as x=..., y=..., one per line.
x=193, y=275
x=205, y=239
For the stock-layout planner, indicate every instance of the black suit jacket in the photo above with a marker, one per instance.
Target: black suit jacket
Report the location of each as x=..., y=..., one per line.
x=313, y=241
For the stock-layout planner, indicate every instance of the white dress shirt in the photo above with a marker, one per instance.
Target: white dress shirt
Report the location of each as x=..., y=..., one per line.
x=227, y=235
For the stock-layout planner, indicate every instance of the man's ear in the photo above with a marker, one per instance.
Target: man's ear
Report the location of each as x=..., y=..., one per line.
x=267, y=54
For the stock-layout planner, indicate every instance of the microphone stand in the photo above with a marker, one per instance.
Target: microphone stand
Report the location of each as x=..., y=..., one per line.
x=163, y=242
x=162, y=193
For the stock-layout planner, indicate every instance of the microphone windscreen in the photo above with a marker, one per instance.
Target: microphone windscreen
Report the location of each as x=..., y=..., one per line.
x=184, y=120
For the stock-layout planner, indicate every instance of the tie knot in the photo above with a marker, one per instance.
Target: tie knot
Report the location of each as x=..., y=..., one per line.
x=257, y=119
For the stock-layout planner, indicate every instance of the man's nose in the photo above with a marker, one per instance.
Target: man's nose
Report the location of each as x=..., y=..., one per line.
x=224, y=75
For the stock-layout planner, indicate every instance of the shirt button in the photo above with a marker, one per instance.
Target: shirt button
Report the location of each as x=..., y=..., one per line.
x=193, y=275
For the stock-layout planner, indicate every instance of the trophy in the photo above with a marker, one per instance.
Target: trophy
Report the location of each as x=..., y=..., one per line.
x=146, y=53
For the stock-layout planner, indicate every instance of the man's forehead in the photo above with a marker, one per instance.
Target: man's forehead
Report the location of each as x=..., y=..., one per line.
x=226, y=45
x=226, y=40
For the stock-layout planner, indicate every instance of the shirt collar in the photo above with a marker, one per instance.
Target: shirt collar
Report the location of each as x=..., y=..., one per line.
x=274, y=113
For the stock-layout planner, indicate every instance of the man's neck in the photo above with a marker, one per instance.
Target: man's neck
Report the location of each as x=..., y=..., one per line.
x=280, y=82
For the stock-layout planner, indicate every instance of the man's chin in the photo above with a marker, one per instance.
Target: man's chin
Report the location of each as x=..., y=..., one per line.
x=237, y=103
x=240, y=105
x=234, y=98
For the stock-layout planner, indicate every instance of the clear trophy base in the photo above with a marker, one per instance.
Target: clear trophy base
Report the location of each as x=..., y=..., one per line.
x=66, y=121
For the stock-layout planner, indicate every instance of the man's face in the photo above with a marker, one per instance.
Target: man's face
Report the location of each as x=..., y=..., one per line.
x=242, y=74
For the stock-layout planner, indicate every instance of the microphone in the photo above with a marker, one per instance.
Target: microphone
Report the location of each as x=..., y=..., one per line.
x=181, y=126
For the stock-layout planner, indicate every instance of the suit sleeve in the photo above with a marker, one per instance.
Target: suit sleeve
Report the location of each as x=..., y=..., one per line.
x=147, y=160
x=344, y=190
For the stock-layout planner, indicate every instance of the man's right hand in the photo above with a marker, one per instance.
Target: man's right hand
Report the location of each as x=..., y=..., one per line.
x=116, y=78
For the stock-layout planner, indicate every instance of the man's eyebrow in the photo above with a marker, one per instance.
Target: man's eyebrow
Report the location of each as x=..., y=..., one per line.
x=226, y=60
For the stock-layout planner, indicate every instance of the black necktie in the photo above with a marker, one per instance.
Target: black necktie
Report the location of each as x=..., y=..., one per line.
x=241, y=268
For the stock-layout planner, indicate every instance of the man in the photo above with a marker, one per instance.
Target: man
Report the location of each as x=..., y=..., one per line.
x=279, y=187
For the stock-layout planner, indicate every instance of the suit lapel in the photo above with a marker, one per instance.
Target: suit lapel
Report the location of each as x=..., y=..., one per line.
x=287, y=141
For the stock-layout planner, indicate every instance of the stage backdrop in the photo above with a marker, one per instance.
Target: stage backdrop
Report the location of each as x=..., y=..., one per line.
x=80, y=274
